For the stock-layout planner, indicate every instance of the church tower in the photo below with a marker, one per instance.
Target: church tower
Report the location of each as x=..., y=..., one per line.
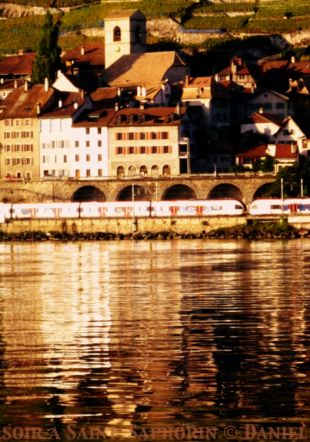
x=125, y=34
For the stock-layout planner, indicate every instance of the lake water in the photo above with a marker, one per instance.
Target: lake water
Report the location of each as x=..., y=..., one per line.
x=144, y=339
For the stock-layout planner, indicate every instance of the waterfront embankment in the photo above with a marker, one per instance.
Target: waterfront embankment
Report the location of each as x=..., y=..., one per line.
x=150, y=228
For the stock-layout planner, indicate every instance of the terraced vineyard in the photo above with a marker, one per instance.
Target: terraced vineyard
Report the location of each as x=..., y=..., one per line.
x=253, y=17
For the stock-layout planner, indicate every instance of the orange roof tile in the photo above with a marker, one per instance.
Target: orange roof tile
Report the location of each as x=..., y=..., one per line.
x=18, y=65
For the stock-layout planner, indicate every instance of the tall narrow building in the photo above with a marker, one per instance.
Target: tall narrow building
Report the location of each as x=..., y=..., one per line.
x=125, y=34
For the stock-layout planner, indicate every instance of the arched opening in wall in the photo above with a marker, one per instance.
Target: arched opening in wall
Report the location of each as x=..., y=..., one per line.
x=267, y=191
x=138, y=34
x=179, y=192
x=166, y=170
x=154, y=171
x=222, y=191
x=120, y=172
x=131, y=170
x=143, y=170
x=88, y=193
x=117, y=33
x=134, y=193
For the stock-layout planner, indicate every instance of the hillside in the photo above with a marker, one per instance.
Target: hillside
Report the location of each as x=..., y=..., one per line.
x=20, y=25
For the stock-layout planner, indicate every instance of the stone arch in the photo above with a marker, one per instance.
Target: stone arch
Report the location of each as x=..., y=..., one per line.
x=179, y=192
x=225, y=190
x=88, y=193
x=143, y=170
x=117, y=34
x=166, y=170
x=154, y=171
x=265, y=191
x=131, y=170
x=134, y=193
x=120, y=172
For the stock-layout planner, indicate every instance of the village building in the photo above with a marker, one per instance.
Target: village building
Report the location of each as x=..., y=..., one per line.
x=19, y=130
x=60, y=144
x=149, y=142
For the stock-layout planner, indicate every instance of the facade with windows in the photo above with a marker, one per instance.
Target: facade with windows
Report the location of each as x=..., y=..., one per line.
x=147, y=142
x=19, y=131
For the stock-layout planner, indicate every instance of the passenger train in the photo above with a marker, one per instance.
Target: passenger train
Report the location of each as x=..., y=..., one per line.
x=140, y=209
x=121, y=209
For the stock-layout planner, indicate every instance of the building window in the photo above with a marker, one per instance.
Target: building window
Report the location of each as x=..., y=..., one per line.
x=100, y=157
x=166, y=149
x=65, y=158
x=77, y=158
x=119, y=151
x=119, y=136
x=142, y=136
x=99, y=172
x=87, y=172
x=87, y=131
x=142, y=149
x=153, y=135
x=77, y=144
x=99, y=143
x=87, y=143
x=154, y=149
x=99, y=130
x=8, y=161
x=87, y=157
x=117, y=35
x=131, y=150
x=280, y=106
x=130, y=136
x=165, y=135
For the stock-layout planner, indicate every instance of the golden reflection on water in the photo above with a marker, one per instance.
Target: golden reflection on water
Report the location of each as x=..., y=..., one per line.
x=153, y=333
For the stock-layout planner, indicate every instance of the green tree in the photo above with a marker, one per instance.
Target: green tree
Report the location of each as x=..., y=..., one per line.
x=48, y=60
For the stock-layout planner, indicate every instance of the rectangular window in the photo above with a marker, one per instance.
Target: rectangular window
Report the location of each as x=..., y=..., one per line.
x=142, y=136
x=87, y=143
x=166, y=149
x=118, y=136
x=99, y=130
x=87, y=130
x=119, y=151
x=65, y=158
x=153, y=135
x=77, y=158
x=76, y=143
x=99, y=143
x=142, y=149
x=99, y=157
x=87, y=157
x=8, y=161
x=130, y=136
x=99, y=172
x=164, y=135
x=87, y=172
x=131, y=150
x=154, y=149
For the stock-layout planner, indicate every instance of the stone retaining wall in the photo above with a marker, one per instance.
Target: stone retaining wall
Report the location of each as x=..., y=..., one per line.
x=124, y=226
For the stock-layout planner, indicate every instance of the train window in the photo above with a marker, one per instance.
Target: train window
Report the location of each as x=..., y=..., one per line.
x=275, y=206
x=238, y=206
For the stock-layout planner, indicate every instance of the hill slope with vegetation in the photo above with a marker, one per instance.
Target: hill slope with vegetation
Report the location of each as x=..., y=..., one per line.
x=231, y=18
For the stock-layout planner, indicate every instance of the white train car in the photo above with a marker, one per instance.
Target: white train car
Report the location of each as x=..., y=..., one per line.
x=296, y=205
x=266, y=206
x=44, y=210
x=117, y=209
x=5, y=210
x=197, y=208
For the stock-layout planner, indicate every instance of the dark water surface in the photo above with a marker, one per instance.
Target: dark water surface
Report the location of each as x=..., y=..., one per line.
x=134, y=335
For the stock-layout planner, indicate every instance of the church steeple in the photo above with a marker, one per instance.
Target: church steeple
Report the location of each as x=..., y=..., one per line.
x=125, y=33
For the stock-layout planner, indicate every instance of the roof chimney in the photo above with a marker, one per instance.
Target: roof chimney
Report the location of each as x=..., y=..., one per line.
x=2, y=80
x=38, y=108
x=261, y=110
x=15, y=84
x=178, y=109
x=60, y=104
x=83, y=50
x=26, y=85
x=46, y=85
x=75, y=105
x=293, y=59
x=116, y=106
x=186, y=80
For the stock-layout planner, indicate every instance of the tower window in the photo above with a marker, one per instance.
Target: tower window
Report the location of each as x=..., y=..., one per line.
x=117, y=33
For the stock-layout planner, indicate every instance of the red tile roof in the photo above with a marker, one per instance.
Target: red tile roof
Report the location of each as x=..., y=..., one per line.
x=18, y=65
x=94, y=118
x=64, y=105
x=148, y=116
x=90, y=53
x=254, y=152
x=21, y=103
x=286, y=151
